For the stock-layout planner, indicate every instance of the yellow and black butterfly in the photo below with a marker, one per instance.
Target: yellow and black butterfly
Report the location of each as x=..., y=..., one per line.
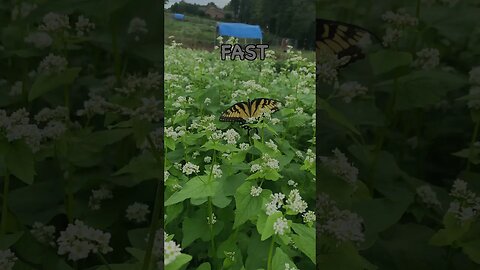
x=242, y=112
x=342, y=39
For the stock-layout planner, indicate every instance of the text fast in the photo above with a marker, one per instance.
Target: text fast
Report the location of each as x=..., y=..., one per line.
x=250, y=53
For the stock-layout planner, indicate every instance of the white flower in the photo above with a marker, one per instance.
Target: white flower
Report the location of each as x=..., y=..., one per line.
x=137, y=212
x=310, y=156
x=295, y=202
x=7, y=259
x=272, y=145
x=309, y=217
x=276, y=201
x=207, y=101
x=392, y=35
x=292, y=183
x=54, y=129
x=280, y=226
x=47, y=114
x=52, y=64
x=16, y=89
x=53, y=22
x=400, y=18
x=475, y=76
x=83, y=26
x=166, y=174
x=190, y=168
x=78, y=240
x=244, y=146
x=212, y=219
x=137, y=26
x=270, y=162
x=217, y=171
x=99, y=195
x=172, y=251
x=343, y=225
x=340, y=166
x=231, y=136
x=255, y=191
x=256, y=168
x=349, y=90
x=39, y=39
x=43, y=233
x=428, y=196
x=256, y=137
x=207, y=159
x=287, y=267
x=428, y=58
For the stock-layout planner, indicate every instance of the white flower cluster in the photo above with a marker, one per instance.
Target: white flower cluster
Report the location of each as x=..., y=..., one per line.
x=474, y=95
x=83, y=26
x=190, y=168
x=175, y=133
x=280, y=226
x=254, y=86
x=287, y=267
x=217, y=171
x=99, y=195
x=43, y=233
x=23, y=10
x=211, y=219
x=244, y=146
x=17, y=126
x=271, y=144
x=309, y=217
x=172, y=251
x=59, y=113
x=342, y=225
x=231, y=136
x=149, y=110
x=94, y=105
x=428, y=196
x=54, y=22
x=39, y=39
x=428, y=58
x=276, y=201
x=310, y=156
x=255, y=191
x=7, y=259
x=349, y=90
x=78, y=240
x=136, y=27
x=328, y=65
x=52, y=64
x=135, y=83
x=137, y=212
x=340, y=166
x=295, y=202
x=16, y=89
x=466, y=204
x=397, y=22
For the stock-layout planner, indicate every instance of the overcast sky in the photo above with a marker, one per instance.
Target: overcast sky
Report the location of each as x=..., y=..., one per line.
x=220, y=3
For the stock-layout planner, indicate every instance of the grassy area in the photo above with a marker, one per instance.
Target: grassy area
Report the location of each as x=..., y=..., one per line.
x=199, y=33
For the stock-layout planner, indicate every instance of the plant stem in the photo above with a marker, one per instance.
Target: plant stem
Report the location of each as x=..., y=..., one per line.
x=104, y=261
x=270, y=253
x=157, y=209
x=210, y=208
x=472, y=144
x=6, y=185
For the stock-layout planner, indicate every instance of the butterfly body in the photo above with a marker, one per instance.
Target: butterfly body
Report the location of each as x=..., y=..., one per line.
x=251, y=110
x=342, y=39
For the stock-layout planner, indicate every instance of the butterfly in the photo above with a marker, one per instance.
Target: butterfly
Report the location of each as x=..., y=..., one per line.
x=251, y=110
x=342, y=39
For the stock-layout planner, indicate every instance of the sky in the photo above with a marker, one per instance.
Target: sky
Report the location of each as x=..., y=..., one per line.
x=219, y=3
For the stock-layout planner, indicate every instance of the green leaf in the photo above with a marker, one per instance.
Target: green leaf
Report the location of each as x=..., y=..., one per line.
x=344, y=257
x=247, y=206
x=20, y=162
x=48, y=82
x=472, y=249
x=336, y=116
x=385, y=61
x=179, y=262
x=7, y=240
x=304, y=239
x=267, y=229
x=143, y=167
x=280, y=259
x=196, y=188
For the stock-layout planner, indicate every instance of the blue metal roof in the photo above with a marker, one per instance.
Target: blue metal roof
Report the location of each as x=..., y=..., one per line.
x=239, y=30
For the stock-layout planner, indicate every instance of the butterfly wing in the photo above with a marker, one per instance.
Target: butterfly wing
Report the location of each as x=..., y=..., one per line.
x=341, y=39
x=238, y=112
x=258, y=105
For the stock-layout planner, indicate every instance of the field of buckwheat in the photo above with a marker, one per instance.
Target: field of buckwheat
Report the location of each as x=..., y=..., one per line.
x=80, y=91
x=399, y=181
x=234, y=201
